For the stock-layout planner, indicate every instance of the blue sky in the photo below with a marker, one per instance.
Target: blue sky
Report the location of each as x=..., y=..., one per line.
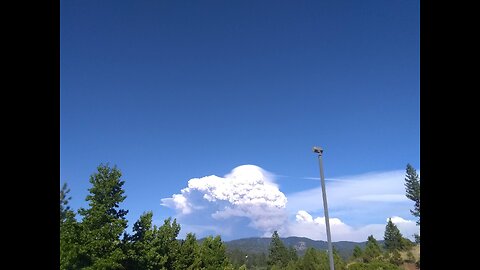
x=174, y=90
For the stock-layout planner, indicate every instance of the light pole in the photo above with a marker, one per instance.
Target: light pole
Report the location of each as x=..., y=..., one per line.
x=319, y=151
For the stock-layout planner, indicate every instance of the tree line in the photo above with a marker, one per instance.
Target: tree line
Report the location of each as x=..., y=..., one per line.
x=98, y=240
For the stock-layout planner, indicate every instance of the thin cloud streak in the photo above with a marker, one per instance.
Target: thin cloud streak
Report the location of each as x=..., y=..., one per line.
x=357, y=197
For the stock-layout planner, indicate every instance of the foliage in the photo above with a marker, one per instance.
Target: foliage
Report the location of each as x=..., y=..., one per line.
x=314, y=259
x=338, y=262
x=103, y=223
x=372, y=250
x=412, y=189
x=395, y=258
x=376, y=265
x=417, y=238
x=278, y=253
x=392, y=237
x=212, y=255
x=357, y=253
x=188, y=253
x=70, y=242
x=410, y=257
x=64, y=207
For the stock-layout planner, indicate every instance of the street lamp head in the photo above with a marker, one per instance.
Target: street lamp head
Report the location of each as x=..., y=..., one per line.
x=317, y=149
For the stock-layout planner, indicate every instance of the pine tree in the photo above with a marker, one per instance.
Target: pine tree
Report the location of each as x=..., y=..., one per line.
x=357, y=253
x=139, y=247
x=412, y=189
x=70, y=243
x=372, y=250
x=64, y=199
x=103, y=223
x=393, y=238
x=188, y=253
x=212, y=255
x=338, y=262
x=278, y=253
x=292, y=254
x=166, y=244
x=315, y=259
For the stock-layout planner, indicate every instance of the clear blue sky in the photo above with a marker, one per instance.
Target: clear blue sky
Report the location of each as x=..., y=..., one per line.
x=174, y=90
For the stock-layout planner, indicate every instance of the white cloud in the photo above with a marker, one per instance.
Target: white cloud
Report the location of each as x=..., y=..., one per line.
x=247, y=192
x=357, y=199
x=247, y=202
x=314, y=228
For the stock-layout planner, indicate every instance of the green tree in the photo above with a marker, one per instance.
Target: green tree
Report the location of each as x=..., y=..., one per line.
x=141, y=253
x=212, y=255
x=338, y=262
x=166, y=243
x=393, y=238
x=376, y=265
x=293, y=265
x=103, y=223
x=372, y=250
x=64, y=199
x=188, y=253
x=357, y=253
x=152, y=247
x=71, y=256
x=396, y=258
x=412, y=188
x=314, y=259
x=257, y=261
x=310, y=259
x=292, y=254
x=278, y=253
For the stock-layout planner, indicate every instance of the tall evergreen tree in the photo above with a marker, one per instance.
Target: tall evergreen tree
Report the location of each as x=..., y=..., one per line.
x=338, y=262
x=212, y=255
x=104, y=222
x=278, y=253
x=314, y=259
x=372, y=250
x=70, y=242
x=166, y=243
x=292, y=254
x=412, y=189
x=64, y=199
x=188, y=253
x=357, y=253
x=139, y=247
x=393, y=239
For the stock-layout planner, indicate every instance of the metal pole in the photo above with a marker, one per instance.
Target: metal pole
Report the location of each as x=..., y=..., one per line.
x=325, y=206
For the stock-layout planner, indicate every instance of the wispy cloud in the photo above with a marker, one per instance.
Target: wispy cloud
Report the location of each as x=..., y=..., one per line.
x=314, y=228
x=371, y=196
x=326, y=179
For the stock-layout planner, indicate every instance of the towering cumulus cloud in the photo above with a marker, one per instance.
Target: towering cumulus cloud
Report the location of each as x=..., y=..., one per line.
x=248, y=193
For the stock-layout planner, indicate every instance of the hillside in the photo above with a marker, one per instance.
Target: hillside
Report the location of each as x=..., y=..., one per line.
x=259, y=245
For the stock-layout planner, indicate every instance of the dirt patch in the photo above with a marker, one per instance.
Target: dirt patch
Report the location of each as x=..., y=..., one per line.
x=409, y=266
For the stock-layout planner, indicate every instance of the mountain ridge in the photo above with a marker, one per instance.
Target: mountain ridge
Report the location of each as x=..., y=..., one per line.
x=300, y=244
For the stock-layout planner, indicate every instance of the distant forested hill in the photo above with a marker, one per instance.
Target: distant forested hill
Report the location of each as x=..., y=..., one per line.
x=259, y=245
